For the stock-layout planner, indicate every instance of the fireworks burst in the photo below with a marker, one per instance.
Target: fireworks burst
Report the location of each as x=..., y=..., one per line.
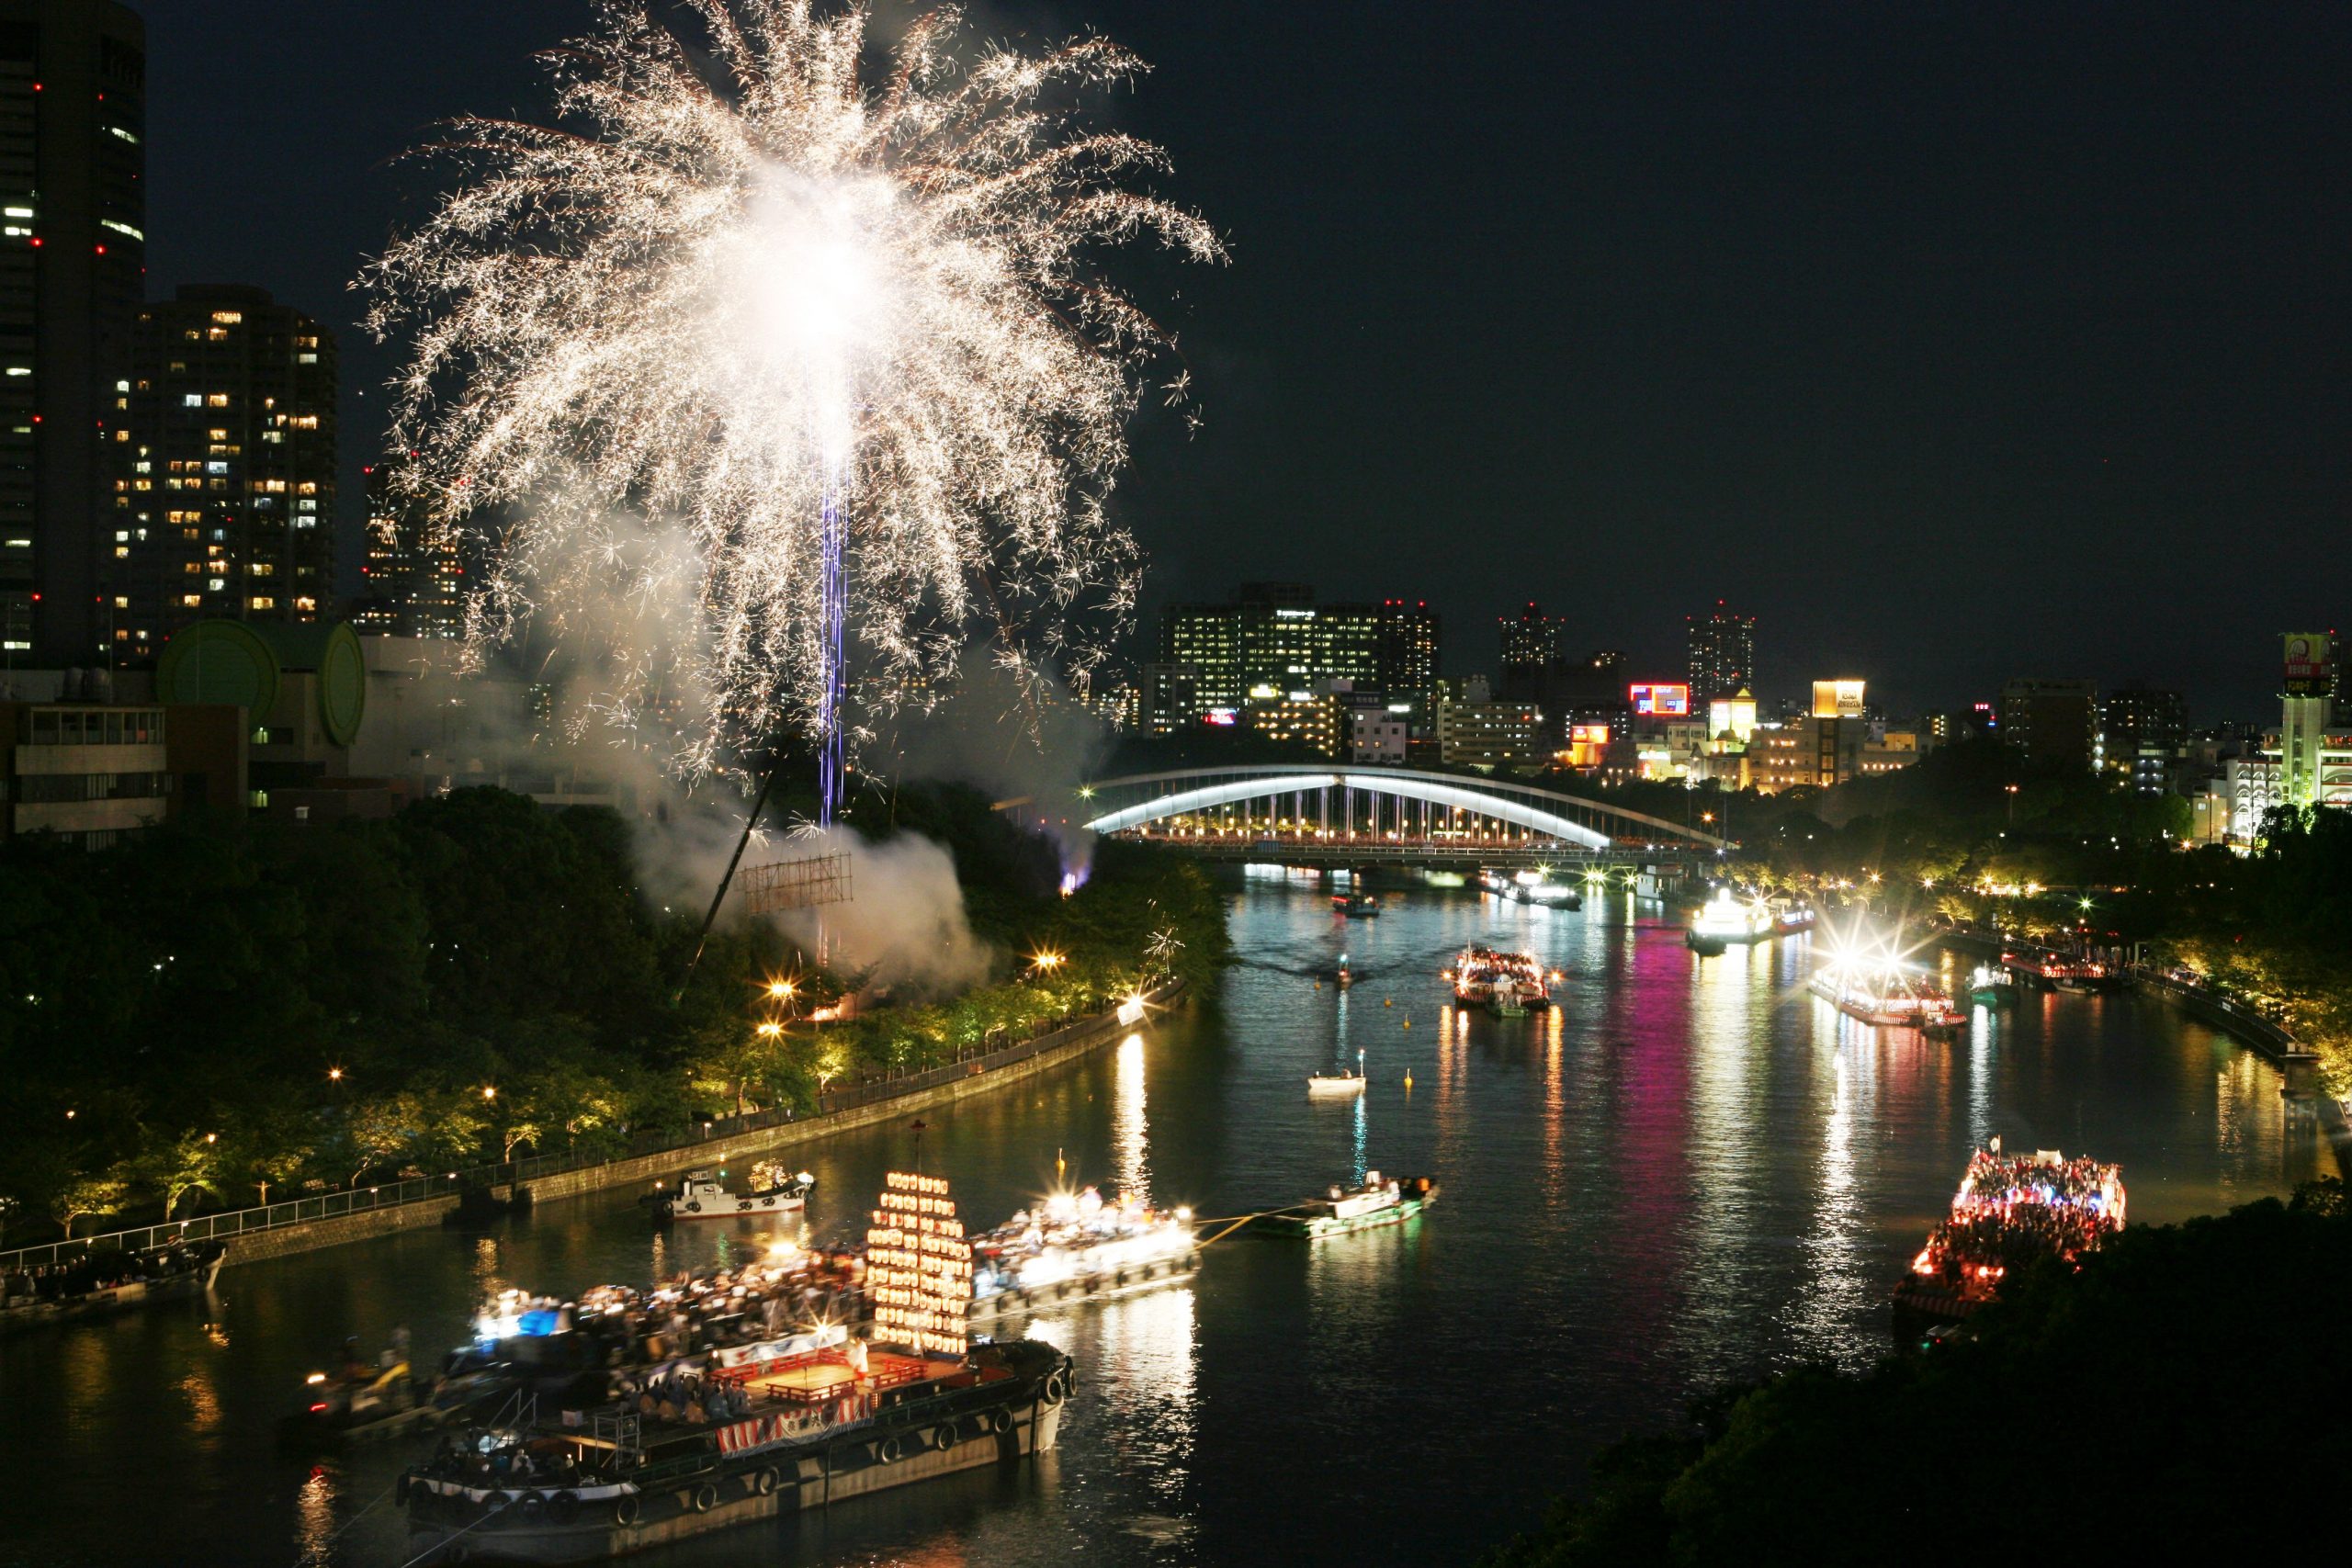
x=732, y=303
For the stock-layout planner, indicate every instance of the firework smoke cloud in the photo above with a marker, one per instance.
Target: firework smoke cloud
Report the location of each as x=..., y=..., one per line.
x=732, y=281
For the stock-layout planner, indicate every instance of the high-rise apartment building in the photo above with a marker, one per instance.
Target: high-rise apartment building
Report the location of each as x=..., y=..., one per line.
x=224, y=468
x=1408, y=648
x=2139, y=723
x=1530, y=642
x=1723, y=654
x=413, y=569
x=2054, y=722
x=73, y=260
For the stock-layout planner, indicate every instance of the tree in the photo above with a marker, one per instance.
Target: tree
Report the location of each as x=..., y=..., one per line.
x=82, y=1197
x=190, y=1163
x=374, y=1132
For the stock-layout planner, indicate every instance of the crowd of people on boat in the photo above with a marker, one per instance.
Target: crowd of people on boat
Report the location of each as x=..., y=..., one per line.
x=505, y=1461
x=95, y=1273
x=2012, y=1209
x=691, y=1314
x=1484, y=971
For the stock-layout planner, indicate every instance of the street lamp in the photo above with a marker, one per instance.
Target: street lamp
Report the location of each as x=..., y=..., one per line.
x=488, y=1093
x=780, y=990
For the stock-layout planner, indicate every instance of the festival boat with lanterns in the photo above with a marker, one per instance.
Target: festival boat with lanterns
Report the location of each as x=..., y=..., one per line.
x=1380, y=1201
x=2011, y=1211
x=1079, y=1247
x=799, y=1421
x=1507, y=984
x=2045, y=971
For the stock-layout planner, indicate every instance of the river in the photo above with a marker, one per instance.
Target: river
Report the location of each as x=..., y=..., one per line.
x=1691, y=1171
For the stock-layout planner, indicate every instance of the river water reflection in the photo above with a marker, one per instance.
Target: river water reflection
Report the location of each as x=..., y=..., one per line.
x=1691, y=1171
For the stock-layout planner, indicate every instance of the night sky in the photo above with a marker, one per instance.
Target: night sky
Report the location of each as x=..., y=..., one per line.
x=1953, y=343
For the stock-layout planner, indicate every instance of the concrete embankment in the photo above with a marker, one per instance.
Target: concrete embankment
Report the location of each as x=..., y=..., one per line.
x=981, y=1075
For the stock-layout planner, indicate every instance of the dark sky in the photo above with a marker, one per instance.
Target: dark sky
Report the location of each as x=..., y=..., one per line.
x=1953, y=342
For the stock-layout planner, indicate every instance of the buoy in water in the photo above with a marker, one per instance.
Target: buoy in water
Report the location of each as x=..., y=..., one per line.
x=1408, y=1023
x=1409, y=1078
x=1389, y=1001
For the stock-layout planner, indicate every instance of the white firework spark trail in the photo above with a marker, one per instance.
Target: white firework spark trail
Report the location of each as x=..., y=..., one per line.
x=727, y=286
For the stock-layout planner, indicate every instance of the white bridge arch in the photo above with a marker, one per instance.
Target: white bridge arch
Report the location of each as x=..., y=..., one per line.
x=1570, y=819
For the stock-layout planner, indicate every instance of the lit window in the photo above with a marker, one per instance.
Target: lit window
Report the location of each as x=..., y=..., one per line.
x=193, y=400
x=305, y=359
x=217, y=400
x=192, y=600
x=263, y=602
x=228, y=318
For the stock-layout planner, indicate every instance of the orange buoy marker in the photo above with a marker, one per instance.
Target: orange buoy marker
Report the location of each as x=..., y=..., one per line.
x=1408, y=1080
x=1408, y=1023
x=1389, y=1001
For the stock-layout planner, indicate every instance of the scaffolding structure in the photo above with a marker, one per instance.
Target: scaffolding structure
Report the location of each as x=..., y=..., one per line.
x=803, y=883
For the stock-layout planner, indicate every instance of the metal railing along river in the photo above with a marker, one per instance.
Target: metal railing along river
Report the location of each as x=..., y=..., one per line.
x=229, y=1222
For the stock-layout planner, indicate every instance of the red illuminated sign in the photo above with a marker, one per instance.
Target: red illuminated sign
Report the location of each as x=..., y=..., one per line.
x=1666, y=701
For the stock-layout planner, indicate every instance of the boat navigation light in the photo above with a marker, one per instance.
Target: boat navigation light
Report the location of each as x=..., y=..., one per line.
x=316, y=1378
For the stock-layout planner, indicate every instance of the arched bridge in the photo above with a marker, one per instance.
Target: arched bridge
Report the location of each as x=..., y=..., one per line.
x=1303, y=812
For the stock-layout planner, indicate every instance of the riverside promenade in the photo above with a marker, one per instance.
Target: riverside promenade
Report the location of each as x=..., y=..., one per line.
x=356, y=1214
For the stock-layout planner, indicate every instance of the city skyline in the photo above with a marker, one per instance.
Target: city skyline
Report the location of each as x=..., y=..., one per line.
x=1935, y=393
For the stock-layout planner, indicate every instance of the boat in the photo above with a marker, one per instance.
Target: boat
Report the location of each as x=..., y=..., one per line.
x=97, y=1284
x=1790, y=917
x=829, y=1416
x=1992, y=986
x=1079, y=1247
x=2010, y=1211
x=1531, y=887
x=366, y=1401
x=1335, y=1085
x=2044, y=970
x=1378, y=1202
x=1507, y=984
x=1357, y=903
x=704, y=1195
x=1888, y=997
x=1727, y=921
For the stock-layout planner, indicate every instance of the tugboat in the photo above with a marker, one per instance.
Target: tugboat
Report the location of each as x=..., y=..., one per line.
x=104, y=1282
x=2009, y=1211
x=703, y=1195
x=360, y=1402
x=1378, y=1202
x=1077, y=1248
x=1357, y=903
x=829, y=1417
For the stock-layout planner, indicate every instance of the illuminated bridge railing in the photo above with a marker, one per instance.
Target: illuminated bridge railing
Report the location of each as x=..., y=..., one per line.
x=1372, y=804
